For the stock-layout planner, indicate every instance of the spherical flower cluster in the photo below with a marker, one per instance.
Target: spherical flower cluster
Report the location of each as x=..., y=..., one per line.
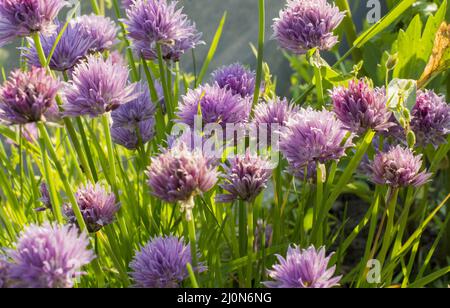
x=216, y=105
x=156, y=22
x=303, y=268
x=48, y=256
x=245, y=178
x=312, y=137
x=28, y=97
x=236, y=78
x=100, y=30
x=71, y=48
x=19, y=18
x=134, y=122
x=360, y=107
x=162, y=263
x=97, y=206
x=307, y=24
x=430, y=118
x=178, y=174
x=98, y=86
x=274, y=114
x=399, y=167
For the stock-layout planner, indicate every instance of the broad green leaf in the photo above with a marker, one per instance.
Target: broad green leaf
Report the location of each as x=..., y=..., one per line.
x=383, y=23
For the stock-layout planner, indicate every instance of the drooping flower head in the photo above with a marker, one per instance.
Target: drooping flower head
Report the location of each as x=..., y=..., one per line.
x=134, y=122
x=307, y=24
x=312, y=137
x=303, y=268
x=399, y=167
x=28, y=97
x=152, y=22
x=98, y=86
x=360, y=107
x=430, y=118
x=236, y=78
x=4, y=271
x=97, y=205
x=162, y=263
x=245, y=177
x=48, y=256
x=215, y=105
x=19, y=18
x=102, y=31
x=71, y=48
x=178, y=174
x=274, y=114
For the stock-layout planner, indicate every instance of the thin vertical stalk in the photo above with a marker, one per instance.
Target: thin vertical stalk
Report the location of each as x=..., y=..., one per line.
x=388, y=233
x=261, y=38
x=250, y=240
x=166, y=90
x=95, y=7
x=192, y=241
x=111, y=159
x=67, y=187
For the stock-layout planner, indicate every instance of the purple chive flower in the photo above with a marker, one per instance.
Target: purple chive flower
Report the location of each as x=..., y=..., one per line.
x=178, y=174
x=430, y=118
x=4, y=271
x=162, y=263
x=245, y=178
x=97, y=206
x=360, y=107
x=45, y=198
x=274, y=114
x=399, y=167
x=217, y=106
x=127, y=3
x=134, y=122
x=49, y=256
x=303, y=268
x=101, y=30
x=312, y=137
x=20, y=18
x=98, y=86
x=155, y=22
x=307, y=24
x=236, y=78
x=71, y=48
x=28, y=97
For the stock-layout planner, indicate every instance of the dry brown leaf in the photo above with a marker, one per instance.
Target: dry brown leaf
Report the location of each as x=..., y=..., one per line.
x=437, y=61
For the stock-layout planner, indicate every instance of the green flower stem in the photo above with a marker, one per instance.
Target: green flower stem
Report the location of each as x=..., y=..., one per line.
x=166, y=89
x=39, y=49
x=87, y=149
x=56, y=207
x=111, y=159
x=389, y=232
x=319, y=86
x=67, y=187
x=261, y=38
x=160, y=123
x=250, y=240
x=242, y=229
x=134, y=71
x=95, y=7
x=192, y=241
x=192, y=276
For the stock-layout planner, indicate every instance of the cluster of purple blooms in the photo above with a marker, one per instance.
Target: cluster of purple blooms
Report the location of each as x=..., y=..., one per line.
x=53, y=255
